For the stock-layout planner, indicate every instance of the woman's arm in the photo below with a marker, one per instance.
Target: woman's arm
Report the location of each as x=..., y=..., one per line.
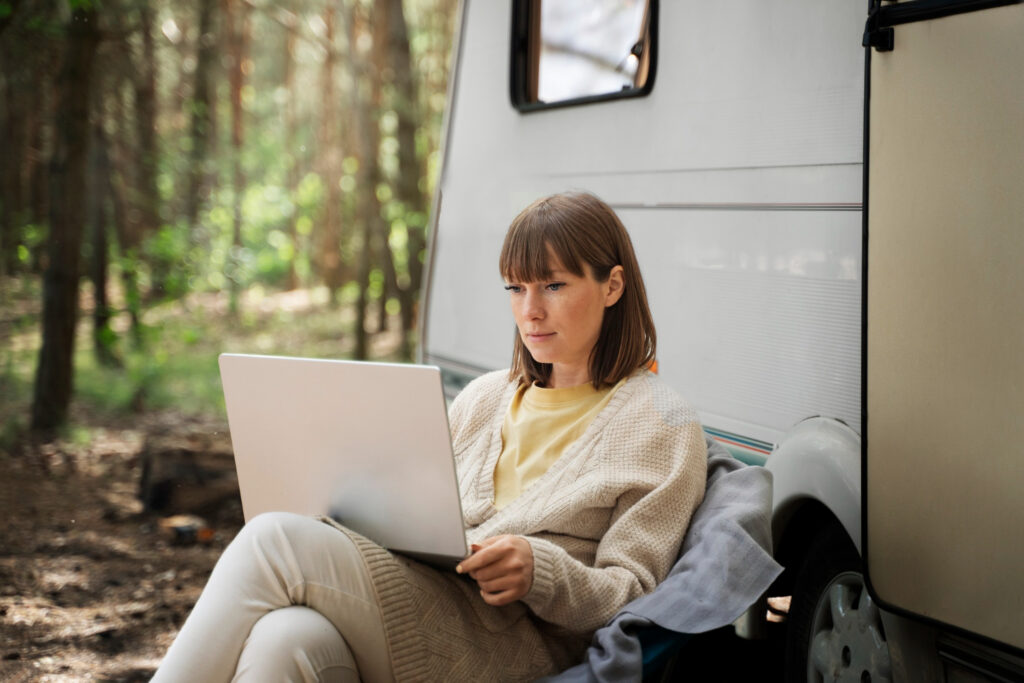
x=636, y=552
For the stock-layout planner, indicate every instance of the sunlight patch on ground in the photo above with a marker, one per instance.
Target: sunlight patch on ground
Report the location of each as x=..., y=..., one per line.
x=66, y=573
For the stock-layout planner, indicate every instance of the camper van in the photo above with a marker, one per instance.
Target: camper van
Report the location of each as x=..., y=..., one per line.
x=827, y=201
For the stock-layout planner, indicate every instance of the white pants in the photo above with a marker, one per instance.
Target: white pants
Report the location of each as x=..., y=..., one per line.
x=289, y=600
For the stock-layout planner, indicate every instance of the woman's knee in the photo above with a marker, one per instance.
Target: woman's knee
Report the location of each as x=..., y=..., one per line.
x=271, y=545
x=275, y=523
x=276, y=530
x=308, y=560
x=295, y=643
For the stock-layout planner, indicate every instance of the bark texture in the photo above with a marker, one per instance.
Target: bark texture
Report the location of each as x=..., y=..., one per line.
x=53, y=385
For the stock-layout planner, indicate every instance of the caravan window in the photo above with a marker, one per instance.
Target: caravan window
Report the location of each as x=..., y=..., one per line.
x=580, y=51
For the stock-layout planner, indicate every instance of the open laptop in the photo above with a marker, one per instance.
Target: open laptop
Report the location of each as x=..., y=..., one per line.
x=367, y=444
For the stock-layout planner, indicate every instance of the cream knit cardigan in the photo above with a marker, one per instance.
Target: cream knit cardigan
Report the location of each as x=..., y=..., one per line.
x=605, y=523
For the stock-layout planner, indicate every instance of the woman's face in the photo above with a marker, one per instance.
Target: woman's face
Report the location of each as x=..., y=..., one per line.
x=559, y=319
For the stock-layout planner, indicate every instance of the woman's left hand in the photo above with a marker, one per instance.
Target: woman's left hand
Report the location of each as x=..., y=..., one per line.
x=503, y=568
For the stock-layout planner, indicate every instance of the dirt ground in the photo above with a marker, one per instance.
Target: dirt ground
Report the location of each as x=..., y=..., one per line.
x=92, y=587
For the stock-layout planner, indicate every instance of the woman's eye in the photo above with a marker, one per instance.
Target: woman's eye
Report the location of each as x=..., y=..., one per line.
x=555, y=286
x=513, y=288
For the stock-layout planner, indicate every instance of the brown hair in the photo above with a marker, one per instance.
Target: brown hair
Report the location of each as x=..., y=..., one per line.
x=578, y=229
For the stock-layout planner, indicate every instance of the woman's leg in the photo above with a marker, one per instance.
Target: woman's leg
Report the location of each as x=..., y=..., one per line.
x=294, y=644
x=278, y=560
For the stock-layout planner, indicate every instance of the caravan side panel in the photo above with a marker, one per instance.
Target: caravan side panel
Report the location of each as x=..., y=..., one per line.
x=739, y=178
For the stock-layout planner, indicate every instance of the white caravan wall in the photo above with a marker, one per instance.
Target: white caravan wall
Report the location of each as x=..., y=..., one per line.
x=739, y=178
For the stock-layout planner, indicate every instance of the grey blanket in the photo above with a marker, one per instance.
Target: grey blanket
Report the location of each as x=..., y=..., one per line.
x=725, y=565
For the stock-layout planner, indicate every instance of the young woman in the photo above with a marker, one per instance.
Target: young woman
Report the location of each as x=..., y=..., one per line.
x=578, y=469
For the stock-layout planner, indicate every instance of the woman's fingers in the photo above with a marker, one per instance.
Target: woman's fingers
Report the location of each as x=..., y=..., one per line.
x=490, y=550
x=483, y=555
x=502, y=567
x=500, y=599
x=506, y=582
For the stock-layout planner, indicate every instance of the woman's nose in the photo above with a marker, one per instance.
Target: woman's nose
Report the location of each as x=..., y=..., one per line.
x=534, y=307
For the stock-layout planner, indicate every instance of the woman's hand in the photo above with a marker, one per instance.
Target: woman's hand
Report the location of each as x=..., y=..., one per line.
x=503, y=568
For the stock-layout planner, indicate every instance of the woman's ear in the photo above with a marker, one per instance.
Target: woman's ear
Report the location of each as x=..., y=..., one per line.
x=616, y=284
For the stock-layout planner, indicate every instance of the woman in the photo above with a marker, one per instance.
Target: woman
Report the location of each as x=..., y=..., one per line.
x=578, y=470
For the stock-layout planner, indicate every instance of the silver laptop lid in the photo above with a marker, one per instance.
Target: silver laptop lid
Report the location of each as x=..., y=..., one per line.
x=367, y=444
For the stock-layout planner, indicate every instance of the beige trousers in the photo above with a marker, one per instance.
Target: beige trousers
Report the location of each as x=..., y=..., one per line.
x=289, y=600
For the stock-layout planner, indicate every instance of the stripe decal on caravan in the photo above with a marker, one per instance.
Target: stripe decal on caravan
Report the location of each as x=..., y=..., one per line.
x=750, y=451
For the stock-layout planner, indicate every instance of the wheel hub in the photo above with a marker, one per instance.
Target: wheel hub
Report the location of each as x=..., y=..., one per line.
x=847, y=639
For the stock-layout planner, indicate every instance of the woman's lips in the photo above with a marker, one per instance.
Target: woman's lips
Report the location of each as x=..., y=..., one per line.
x=539, y=336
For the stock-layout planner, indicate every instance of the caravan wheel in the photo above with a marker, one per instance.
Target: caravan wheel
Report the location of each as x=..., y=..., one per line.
x=835, y=628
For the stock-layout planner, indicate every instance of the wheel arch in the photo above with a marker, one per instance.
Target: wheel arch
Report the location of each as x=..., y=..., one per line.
x=806, y=520
x=816, y=483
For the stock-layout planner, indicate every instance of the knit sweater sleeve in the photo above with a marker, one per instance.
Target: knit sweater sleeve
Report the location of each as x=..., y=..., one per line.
x=647, y=524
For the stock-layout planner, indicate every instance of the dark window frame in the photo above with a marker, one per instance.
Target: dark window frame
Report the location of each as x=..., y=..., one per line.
x=524, y=67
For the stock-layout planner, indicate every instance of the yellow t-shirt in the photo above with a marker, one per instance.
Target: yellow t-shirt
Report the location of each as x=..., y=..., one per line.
x=539, y=426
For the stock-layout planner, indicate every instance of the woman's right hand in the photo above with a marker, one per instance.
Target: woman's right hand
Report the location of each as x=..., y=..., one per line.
x=503, y=568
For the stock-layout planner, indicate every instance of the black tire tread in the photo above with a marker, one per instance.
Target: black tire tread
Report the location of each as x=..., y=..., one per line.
x=829, y=554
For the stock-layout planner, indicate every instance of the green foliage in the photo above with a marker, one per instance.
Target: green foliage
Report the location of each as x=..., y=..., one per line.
x=179, y=370
x=172, y=360
x=12, y=428
x=33, y=242
x=105, y=346
x=267, y=251
x=15, y=391
x=166, y=378
x=376, y=285
x=18, y=342
x=167, y=252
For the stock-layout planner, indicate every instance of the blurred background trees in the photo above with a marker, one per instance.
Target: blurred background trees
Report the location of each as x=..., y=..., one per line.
x=206, y=153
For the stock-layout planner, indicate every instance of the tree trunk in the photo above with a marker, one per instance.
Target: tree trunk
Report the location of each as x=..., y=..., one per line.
x=411, y=169
x=129, y=261
x=26, y=84
x=19, y=75
x=201, y=124
x=367, y=135
x=238, y=20
x=290, y=142
x=330, y=264
x=146, y=197
x=103, y=336
x=381, y=250
x=5, y=20
x=127, y=229
x=11, y=161
x=54, y=376
x=40, y=131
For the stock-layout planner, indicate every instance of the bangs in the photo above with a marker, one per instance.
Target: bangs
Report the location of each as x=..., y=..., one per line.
x=537, y=244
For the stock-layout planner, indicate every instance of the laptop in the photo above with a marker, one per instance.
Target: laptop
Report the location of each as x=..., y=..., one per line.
x=367, y=444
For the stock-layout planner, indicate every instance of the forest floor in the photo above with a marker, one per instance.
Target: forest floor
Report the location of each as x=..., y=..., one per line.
x=92, y=587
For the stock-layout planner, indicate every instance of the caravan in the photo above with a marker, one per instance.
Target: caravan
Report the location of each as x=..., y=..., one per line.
x=826, y=201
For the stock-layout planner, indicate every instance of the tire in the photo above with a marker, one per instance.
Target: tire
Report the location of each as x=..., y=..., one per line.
x=835, y=629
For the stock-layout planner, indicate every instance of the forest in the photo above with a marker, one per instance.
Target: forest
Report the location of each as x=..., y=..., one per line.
x=180, y=179
x=214, y=151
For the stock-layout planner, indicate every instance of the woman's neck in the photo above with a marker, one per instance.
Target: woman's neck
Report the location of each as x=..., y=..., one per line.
x=562, y=376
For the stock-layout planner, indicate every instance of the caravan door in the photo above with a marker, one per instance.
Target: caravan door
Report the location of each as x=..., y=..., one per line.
x=944, y=298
